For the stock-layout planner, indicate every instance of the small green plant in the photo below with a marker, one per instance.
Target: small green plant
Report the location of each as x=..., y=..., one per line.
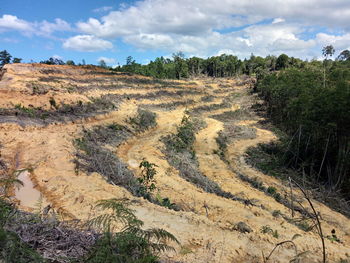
x=271, y=190
x=146, y=179
x=25, y=111
x=53, y=103
x=276, y=213
x=268, y=230
x=132, y=244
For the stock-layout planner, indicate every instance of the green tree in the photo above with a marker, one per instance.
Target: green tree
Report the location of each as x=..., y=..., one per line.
x=16, y=60
x=282, y=61
x=102, y=64
x=344, y=55
x=327, y=51
x=70, y=63
x=5, y=57
x=130, y=60
x=181, y=68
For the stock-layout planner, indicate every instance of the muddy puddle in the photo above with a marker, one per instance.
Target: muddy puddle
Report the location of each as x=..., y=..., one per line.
x=27, y=194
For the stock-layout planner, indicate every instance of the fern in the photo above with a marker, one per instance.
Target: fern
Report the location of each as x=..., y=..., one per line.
x=132, y=244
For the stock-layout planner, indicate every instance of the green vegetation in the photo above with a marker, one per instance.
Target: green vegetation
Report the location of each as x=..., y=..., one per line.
x=12, y=248
x=269, y=230
x=312, y=109
x=130, y=245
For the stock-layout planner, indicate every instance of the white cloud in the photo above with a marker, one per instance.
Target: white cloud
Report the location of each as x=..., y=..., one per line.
x=87, y=43
x=150, y=41
x=107, y=60
x=10, y=22
x=57, y=57
x=47, y=28
x=278, y=20
x=44, y=28
x=102, y=9
x=205, y=27
x=340, y=42
x=194, y=26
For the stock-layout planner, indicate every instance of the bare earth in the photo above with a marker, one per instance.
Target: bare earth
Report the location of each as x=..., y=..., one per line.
x=205, y=224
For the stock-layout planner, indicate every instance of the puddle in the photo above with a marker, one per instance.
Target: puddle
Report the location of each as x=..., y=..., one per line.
x=27, y=194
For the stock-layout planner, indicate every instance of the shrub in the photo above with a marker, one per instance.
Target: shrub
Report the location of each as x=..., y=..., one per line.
x=143, y=120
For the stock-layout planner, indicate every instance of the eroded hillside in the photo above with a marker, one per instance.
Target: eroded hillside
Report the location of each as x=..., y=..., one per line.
x=223, y=213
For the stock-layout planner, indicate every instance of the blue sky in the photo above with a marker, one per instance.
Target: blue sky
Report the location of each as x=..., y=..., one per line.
x=112, y=30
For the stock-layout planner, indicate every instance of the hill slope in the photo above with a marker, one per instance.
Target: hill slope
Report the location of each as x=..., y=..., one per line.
x=45, y=108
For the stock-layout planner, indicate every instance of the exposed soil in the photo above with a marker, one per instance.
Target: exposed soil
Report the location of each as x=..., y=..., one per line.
x=207, y=224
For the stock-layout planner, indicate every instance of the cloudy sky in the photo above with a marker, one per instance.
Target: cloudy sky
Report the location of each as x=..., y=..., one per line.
x=112, y=30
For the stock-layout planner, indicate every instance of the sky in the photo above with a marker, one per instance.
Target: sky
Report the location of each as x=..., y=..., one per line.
x=111, y=30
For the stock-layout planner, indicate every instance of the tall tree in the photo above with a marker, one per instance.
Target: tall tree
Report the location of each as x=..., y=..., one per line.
x=102, y=64
x=282, y=61
x=326, y=51
x=344, y=55
x=5, y=57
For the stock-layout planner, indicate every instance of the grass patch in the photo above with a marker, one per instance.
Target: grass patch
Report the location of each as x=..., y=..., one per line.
x=271, y=160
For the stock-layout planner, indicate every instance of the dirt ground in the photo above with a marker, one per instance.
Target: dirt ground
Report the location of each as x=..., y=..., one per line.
x=205, y=224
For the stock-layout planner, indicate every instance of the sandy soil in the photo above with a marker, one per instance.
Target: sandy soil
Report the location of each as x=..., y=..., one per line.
x=205, y=225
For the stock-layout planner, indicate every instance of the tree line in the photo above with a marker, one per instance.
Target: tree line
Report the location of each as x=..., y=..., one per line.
x=312, y=106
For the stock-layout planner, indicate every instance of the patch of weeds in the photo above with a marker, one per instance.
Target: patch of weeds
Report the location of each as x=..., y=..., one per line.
x=93, y=156
x=143, y=120
x=180, y=154
x=257, y=184
x=268, y=230
x=38, y=88
x=222, y=141
x=64, y=112
x=276, y=213
x=31, y=112
x=333, y=237
x=271, y=160
x=207, y=98
x=303, y=225
x=166, y=202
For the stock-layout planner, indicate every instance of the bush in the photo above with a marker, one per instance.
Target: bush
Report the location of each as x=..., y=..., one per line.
x=143, y=120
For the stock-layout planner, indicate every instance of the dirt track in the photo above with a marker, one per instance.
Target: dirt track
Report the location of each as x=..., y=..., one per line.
x=205, y=224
